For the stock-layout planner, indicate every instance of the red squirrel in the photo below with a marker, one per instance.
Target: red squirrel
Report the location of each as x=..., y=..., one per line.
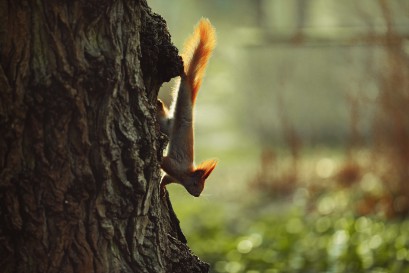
x=178, y=164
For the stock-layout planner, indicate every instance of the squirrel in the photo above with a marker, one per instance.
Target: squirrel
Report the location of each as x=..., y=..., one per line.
x=178, y=164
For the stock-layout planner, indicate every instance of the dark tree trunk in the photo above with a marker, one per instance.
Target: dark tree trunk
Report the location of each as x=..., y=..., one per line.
x=79, y=144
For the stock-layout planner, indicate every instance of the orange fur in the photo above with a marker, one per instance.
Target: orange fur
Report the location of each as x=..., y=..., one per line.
x=207, y=167
x=196, y=53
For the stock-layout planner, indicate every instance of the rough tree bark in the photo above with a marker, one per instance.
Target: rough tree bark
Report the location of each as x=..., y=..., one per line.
x=79, y=143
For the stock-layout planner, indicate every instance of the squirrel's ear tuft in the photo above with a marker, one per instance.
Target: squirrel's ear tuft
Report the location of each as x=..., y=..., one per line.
x=205, y=168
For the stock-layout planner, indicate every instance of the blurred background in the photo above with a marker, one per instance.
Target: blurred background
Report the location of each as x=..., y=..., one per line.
x=306, y=106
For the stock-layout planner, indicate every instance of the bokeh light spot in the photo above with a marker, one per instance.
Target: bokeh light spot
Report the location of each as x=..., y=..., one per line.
x=325, y=167
x=244, y=246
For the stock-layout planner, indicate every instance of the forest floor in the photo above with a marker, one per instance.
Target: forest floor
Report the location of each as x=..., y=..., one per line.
x=313, y=213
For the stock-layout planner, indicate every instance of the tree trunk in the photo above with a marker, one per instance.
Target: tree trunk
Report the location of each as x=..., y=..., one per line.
x=79, y=143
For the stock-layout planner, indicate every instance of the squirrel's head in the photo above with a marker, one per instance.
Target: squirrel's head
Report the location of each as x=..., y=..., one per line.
x=194, y=186
x=195, y=182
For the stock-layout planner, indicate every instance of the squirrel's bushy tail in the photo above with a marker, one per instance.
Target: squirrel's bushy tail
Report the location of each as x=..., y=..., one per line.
x=196, y=53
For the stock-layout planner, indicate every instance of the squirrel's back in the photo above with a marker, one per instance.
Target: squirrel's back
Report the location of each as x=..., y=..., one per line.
x=196, y=53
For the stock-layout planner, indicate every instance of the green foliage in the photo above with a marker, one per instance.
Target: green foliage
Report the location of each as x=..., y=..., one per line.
x=285, y=238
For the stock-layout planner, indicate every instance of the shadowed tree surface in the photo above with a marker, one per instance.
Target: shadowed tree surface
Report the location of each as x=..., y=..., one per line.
x=79, y=144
